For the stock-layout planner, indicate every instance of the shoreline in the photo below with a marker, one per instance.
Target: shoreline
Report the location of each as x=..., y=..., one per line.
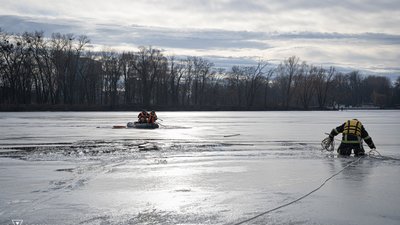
x=111, y=108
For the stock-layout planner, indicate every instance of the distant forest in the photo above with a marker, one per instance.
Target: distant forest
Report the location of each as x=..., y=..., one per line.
x=60, y=73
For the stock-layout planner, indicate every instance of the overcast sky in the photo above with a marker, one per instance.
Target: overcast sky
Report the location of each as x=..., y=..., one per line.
x=355, y=34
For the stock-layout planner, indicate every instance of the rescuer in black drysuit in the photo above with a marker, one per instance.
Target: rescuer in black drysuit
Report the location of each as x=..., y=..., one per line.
x=353, y=135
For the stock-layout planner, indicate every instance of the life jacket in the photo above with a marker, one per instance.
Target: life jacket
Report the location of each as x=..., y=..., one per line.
x=353, y=127
x=152, y=117
x=142, y=114
x=143, y=117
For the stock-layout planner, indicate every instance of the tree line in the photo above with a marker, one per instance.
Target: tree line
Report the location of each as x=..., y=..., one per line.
x=59, y=70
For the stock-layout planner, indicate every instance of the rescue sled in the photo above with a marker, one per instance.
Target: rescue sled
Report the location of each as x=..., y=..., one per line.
x=138, y=125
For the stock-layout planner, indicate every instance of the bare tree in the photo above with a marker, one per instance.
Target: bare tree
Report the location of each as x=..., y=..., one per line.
x=287, y=71
x=306, y=84
x=112, y=68
x=267, y=79
x=253, y=81
x=59, y=70
x=188, y=80
x=62, y=57
x=202, y=69
x=176, y=71
x=16, y=67
x=129, y=76
x=355, y=85
x=236, y=77
x=149, y=63
x=323, y=81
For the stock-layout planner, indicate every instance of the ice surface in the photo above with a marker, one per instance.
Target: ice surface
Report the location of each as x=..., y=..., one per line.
x=198, y=168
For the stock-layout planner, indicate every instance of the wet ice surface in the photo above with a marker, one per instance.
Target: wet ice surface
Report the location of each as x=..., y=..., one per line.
x=198, y=168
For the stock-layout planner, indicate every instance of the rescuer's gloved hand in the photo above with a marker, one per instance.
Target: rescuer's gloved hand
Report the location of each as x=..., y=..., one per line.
x=330, y=138
x=372, y=146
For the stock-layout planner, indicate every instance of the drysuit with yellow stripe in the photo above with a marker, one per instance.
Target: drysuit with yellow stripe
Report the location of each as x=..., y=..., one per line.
x=353, y=133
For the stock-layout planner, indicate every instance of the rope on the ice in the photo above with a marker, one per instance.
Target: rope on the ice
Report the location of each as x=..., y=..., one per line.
x=373, y=153
x=300, y=198
x=328, y=144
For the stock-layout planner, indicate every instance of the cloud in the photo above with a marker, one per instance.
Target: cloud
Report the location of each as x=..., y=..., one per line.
x=135, y=35
x=349, y=33
x=254, y=15
x=18, y=24
x=378, y=37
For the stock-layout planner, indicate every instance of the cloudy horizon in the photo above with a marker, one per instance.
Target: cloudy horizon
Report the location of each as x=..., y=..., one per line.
x=351, y=34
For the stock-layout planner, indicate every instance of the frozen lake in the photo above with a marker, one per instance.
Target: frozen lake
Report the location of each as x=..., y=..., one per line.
x=198, y=168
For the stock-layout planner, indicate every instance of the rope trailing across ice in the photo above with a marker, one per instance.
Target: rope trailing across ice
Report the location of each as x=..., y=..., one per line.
x=300, y=198
x=377, y=155
x=328, y=144
x=372, y=153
